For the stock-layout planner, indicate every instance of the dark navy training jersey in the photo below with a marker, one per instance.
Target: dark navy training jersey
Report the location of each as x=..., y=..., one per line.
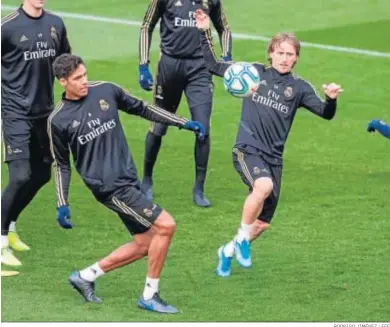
x=29, y=46
x=90, y=128
x=267, y=115
x=179, y=36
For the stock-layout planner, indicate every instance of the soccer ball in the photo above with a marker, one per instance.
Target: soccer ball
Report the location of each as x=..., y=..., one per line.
x=241, y=79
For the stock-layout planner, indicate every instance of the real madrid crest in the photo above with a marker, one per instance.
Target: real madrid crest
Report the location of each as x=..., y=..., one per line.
x=104, y=105
x=288, y=92
x=53, y=32
x=148, y=213
x=256, y=170
x=9, y=149
x=205, y=4
x=159, y=89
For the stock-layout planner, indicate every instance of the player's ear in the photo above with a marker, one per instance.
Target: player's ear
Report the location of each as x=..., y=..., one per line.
x=63, y=82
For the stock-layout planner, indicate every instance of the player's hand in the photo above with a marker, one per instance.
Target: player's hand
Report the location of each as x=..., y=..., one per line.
x=332, y=90
x=373, y=125
x=226, y=58
x=145, y=77
x=202, y=20
x=63, y=217
x=196, y=127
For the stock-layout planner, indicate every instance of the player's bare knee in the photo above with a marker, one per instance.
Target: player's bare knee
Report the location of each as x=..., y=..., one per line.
x=165, y=224
x=170, y=227
x=263, y=187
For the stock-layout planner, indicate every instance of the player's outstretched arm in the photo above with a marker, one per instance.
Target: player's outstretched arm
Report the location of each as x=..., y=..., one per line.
x=135, y=106
x=60, y=153
x=215, y=66
x=380, y=126
x=313, y=102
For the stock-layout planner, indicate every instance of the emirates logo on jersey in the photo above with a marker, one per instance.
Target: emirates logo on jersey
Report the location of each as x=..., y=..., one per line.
x=186, y=22
x=42, y=50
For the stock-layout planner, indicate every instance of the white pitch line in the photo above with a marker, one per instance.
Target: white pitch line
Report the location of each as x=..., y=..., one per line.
x=238, y=36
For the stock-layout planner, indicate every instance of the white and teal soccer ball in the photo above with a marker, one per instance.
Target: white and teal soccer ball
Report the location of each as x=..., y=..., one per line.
x=241, y=79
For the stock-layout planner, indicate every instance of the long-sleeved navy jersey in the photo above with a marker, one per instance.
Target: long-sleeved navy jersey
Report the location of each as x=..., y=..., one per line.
x=268, y=114
x=29, y=46
x=179, y=36
x=91, y=130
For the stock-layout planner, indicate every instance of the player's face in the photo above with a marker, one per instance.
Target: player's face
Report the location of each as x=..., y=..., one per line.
x=37, y=4
x=76, y=85
x=284, y=57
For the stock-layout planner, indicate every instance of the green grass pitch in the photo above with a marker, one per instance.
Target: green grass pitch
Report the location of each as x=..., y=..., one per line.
x=327, y=255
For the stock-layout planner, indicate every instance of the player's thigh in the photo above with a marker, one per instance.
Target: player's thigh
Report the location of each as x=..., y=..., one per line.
x=250, y=167
x=271, y=203
x=168, y=89
x=136, y=212
x=170, y=82
x=164, y=224
x=199, y=94
x=16, y=139
x=40, y=143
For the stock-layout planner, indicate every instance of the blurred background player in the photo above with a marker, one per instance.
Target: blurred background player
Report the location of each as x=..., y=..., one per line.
x=265, y=123
x=31, y=38
x=380, y=126
x=86, y=122
x=181, y=68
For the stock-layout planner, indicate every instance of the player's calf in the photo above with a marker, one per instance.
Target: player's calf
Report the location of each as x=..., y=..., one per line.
x=257, y=228
x=152, y=147
x=162, y=232
x=261, y=189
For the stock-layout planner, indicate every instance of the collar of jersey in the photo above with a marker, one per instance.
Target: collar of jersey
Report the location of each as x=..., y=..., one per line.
x=31, y=17
x=274, y=71
x=70, y=100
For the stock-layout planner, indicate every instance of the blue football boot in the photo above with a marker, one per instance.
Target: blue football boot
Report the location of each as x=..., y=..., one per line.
x=224, y=263
x=84, y=287
x=157, y=304
x=243, y=253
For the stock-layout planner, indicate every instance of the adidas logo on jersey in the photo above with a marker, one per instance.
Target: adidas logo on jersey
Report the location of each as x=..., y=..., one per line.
x=178, y=3
x=75, y=123
x=23, y=38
